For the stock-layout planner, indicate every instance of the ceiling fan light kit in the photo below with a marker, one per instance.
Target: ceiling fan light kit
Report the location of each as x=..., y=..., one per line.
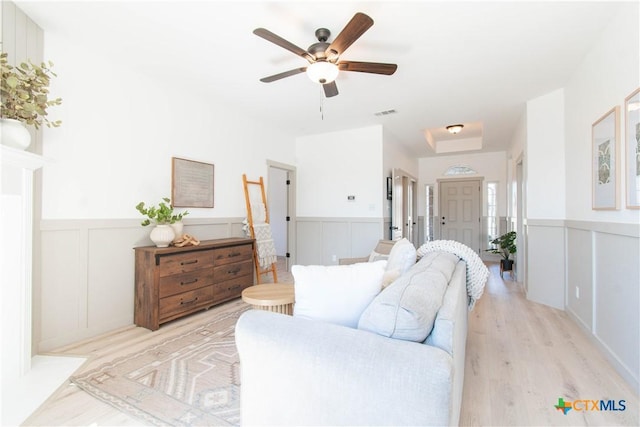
x=454, y=129
x=324, y=57
x=322, y=72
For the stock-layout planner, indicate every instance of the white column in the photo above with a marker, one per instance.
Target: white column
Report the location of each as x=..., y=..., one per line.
x=16, y=225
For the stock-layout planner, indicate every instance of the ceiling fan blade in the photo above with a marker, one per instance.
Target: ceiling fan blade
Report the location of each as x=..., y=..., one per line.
x=349, y=34
x=368, y=67
x=330, y=89
x=276, y=39
x=279, y=76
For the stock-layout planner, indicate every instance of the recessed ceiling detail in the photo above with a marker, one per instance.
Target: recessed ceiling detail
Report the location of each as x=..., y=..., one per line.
x=441, y=140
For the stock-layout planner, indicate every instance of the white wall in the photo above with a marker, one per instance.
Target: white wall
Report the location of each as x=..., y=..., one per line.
x=396, y=156
x=603, y=247
x=578, y=259
x=608, y=74
x=332, y=166
x=546, y=156
x=121, y=128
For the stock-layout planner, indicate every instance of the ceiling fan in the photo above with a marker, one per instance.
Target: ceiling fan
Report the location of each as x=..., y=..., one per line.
x=324, y=57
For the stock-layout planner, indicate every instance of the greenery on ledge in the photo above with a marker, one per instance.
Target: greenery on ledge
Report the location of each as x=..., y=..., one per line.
x=161, y=214
x=24, y=92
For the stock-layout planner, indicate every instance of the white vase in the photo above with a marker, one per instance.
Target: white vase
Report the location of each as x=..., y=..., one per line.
x=162, y=235
x=13, y=133
x=177, y=229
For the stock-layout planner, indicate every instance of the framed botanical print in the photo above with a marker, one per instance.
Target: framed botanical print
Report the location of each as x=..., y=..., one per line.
x=605, y=145
x=632, y=148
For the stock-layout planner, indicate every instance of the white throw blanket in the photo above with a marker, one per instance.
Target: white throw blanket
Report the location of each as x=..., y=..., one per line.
x=265, y=245
x=477, y=272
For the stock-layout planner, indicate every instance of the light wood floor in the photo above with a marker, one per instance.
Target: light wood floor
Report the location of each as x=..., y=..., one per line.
x=521, y=357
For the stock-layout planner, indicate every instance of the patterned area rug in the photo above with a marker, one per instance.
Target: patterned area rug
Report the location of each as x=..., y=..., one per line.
x=188, y=379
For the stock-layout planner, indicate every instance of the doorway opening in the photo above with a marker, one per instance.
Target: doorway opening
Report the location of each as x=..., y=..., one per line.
x=281, y=201
x=404, y=207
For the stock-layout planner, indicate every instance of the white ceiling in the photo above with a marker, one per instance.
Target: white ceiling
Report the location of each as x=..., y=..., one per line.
x=475, y=62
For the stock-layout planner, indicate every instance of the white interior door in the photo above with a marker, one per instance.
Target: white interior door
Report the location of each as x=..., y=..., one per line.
x=460, y=212
x=404, y=206
x=397, y=206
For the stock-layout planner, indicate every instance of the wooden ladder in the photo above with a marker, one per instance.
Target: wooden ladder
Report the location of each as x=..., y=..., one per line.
x=272, y=269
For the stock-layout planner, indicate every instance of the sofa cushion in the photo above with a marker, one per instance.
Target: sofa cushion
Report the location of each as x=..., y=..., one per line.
x=407, y=308
x=402, y=256
x=338, y=293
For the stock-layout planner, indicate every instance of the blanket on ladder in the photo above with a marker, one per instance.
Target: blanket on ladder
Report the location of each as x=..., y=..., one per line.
x=265, y=245
x=477, y=272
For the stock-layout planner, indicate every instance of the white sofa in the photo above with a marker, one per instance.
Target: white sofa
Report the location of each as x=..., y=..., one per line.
x=297, y=371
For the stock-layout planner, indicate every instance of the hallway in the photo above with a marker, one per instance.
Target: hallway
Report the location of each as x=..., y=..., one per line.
x=522, y=357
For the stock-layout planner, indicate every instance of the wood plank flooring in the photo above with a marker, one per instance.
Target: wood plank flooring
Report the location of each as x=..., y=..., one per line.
x=521, y=357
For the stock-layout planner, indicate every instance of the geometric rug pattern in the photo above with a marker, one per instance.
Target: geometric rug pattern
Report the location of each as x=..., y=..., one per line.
x=191, y=379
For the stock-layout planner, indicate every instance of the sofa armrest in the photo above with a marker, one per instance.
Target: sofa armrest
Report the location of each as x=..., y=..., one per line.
x=297, y=371
x=347, y=261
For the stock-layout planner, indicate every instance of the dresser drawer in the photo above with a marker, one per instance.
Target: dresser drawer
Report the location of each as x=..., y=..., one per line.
x=178, y=283
x=231, y=271
x=233, y=254
x=231, y=288
x=185, y=301
x=183, y=263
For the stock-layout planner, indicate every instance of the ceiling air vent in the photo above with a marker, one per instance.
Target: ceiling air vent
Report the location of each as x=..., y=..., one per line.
x=385, y=113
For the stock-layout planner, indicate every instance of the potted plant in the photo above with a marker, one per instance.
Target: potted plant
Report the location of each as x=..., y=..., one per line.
x=162, y=216
x=505, y=246
x=24, y=100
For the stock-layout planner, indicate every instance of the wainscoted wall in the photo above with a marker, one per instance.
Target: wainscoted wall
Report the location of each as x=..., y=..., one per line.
x=323, y=241
x=545, y=240
x=87, y=272
x=603, y=282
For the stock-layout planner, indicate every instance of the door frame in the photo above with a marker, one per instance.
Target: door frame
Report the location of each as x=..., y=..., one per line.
x=291, y=206
x=480, y=180
x=406, y=204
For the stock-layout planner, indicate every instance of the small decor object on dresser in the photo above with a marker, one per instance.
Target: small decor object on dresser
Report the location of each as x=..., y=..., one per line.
x=165, y=219
x=24, y=101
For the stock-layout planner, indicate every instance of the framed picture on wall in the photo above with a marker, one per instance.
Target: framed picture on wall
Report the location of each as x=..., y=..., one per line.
x=191, y=183
x=605, y=145
x=632, y=148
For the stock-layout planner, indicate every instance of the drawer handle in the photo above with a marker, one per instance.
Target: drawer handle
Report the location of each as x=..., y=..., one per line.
x=195, y=261
x=236, y=271
x=188, y=302
x=231, y=255
x=189, y=282
x=234, y=288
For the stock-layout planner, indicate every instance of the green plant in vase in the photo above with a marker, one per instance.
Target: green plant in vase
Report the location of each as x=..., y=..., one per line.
x=163, y=217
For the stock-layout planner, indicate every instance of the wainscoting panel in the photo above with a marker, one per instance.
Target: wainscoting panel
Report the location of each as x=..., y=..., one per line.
x=87, y=271
x=546, y=262
x=363, y=237
x=580, y=275
x=602, y=260
x=617, y=320
x=323, y=241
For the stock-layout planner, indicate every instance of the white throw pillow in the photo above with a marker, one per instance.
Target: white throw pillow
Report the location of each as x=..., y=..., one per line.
x=402, y=256
x=338, y=293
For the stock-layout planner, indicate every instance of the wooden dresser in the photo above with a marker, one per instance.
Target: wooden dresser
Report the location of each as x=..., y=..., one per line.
x=173, y=282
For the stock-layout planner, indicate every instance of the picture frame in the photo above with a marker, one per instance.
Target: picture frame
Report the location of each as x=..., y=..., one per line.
x=632, y=149
x=605, y=145
x=192, y=183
